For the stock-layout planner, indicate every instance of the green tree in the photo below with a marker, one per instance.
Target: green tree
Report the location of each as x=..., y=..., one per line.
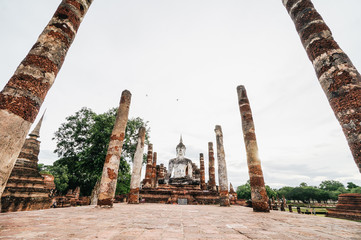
x=244, y=191
x=82, y=143
x=356, y=190
x=285, y=191
x=351, y=185
x=270, y=192
x=331, y=185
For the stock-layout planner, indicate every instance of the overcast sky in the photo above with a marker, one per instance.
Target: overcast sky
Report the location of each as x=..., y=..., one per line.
x=182, y=61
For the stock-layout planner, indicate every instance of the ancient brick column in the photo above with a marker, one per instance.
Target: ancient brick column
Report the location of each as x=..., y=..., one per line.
x=222, y=169
x=211, y=169
x=23, y=95
x=154, y=170
x=148, y=171
x=202, y=171
x=137, y=168
x=258, y=189
x=161, y=171
x=108, y=182
x=338, y=77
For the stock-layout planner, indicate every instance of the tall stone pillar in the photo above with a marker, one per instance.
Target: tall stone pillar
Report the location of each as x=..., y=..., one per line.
x=202, y=171
x=154, y=170
x=148, y=171
x=258, y=189
x=222, y=169
x=137, y=168
x=338, y=77
x=23, y=95
x=108, y=182
x=211, y=169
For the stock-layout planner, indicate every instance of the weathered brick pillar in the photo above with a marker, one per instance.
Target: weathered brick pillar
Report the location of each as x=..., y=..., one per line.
x=154, y=170
x=161, y=171
x=23, y=95
x=338, y=77
x=108, y=182
x=202, y=171
x=222, y=169
x=211, y=169
x=148, y=171
x=137, y=168
x=258, y=189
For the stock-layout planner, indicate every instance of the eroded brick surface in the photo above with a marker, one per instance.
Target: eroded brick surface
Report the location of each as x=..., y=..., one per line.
x=160, y=221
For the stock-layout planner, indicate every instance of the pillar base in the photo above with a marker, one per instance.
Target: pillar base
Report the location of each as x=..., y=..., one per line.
x=134, y=196
x=108, y=202
x=260, y=206
x=224, y=199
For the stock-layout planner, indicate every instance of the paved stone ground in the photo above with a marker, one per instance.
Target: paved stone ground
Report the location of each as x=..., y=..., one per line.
x=158, y=221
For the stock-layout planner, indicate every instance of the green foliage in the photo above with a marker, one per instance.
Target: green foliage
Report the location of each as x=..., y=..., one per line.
x=356, y=190
x=82, y=144
x=270, y=192
x=351, y=185
x=328, y=190
x=60, y=173
x=244, y=191
x=331, y=185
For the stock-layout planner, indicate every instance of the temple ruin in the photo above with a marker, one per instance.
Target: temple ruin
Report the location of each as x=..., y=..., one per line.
x=23, y=95
x=26, y=188
x=181, y=183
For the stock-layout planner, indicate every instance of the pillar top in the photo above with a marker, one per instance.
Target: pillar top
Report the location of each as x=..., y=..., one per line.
x=218, y=130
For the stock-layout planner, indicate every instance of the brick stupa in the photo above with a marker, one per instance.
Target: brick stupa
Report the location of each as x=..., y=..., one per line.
x=26, y=188
x=348, y=207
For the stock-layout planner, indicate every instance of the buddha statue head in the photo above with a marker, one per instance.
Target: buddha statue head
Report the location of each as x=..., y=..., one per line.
x=181, y=149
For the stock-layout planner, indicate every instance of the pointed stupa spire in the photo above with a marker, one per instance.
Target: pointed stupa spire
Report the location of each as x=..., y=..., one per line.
x=36, y=131
x=180, y=144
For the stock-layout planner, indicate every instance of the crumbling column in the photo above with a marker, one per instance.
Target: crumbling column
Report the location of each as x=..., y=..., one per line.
x=137, y=168
x=211, y=169
x=108, y=182
x=202, y=171
x=161, y=176
x=222, y=169
x=148, y=171
x=154, y=170
x=23, y=95
x=258, y=189
x=338, y=77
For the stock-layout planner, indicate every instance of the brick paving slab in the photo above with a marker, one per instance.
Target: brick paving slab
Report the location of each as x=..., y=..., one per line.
x=171, y=222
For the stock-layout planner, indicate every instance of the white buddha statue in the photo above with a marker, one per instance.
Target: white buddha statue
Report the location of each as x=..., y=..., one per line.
x=180, y=166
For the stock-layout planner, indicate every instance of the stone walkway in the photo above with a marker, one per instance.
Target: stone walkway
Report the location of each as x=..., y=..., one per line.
x=158, y=221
